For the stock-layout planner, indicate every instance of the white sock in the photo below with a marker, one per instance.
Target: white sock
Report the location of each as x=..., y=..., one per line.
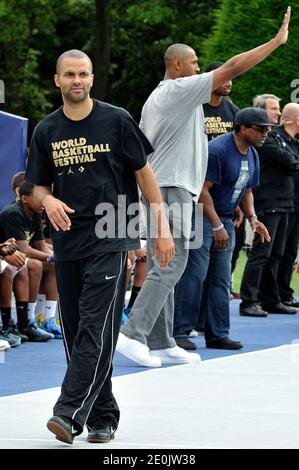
x=31, y=310
x=40, y=305
x=50, y=309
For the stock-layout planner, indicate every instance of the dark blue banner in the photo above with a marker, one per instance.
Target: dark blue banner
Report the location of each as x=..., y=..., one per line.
x=13, y=142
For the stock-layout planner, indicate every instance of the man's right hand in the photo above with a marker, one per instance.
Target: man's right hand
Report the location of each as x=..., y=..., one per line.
x=57, y=212
x=8, y=247
x=221, y=239
x=17, y=259
x=282, y=35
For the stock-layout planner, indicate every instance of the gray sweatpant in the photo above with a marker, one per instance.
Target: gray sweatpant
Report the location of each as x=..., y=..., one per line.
x=151, y=318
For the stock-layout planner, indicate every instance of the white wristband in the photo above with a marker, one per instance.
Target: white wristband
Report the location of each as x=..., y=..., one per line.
x=215, y=229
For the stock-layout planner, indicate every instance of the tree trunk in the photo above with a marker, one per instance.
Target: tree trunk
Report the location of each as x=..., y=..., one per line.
x=101, y=50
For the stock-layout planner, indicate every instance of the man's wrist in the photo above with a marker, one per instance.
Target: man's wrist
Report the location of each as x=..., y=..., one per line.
x=252, y=216
x=44, y=198
x=219, y=227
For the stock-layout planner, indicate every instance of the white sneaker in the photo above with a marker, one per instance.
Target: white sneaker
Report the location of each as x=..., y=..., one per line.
x=193, y=333
x=176, y=355
x=4, y=345
x=136, y=351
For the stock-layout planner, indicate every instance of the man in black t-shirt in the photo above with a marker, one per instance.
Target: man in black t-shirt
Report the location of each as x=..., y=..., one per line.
x=220, y=111
x=92, y=153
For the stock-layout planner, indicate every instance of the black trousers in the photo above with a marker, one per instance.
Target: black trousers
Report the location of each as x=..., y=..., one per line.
x=240, y=240
x=259, y=282
x=91, y=298
x=286, y=265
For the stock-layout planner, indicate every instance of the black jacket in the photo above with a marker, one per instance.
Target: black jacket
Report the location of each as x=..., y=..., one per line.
x=279, y=167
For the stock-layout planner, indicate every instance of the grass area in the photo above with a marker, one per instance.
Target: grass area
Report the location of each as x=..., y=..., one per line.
x=239, y=272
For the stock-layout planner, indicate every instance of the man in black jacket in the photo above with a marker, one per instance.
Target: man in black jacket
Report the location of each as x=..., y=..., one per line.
x=290, y=122
x=274, y=201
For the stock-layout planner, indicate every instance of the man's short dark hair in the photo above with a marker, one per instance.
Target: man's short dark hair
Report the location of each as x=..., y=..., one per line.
x=213, y=66
x=73, y=53
x=17, y=179
x=26, y=188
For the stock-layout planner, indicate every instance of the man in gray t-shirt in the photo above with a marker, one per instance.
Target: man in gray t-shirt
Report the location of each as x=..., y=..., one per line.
x=172, y=119
x=181, y=150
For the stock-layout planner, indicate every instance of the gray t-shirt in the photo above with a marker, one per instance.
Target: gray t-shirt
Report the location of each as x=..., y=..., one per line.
x=172, y=119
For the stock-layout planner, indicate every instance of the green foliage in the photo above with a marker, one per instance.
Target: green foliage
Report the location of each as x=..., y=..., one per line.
x=30, y=42
x=141, y=30
x=35, y=32
x=240, y=27
x=19, y=54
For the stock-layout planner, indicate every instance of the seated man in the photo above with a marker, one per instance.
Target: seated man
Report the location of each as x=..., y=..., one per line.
x=22, y=219
x=15, y=271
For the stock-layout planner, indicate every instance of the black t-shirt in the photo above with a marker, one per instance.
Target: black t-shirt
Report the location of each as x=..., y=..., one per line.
x=15, y=224
x=219, y=119
x=91, y=163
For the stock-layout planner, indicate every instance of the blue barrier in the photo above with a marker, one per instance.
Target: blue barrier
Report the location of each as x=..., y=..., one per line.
x=13, y=143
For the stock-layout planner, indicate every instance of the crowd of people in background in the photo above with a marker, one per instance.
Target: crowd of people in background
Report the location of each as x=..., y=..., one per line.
x=249, y=170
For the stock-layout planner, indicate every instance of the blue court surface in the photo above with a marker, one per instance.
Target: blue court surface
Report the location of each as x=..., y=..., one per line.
x=34, y=366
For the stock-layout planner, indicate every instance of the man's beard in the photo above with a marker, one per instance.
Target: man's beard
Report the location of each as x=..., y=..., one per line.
x=73, y=98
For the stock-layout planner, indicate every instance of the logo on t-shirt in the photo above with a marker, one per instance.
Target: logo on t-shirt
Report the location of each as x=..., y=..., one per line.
x=215, y=125
x=76, y=151
x=241, y=181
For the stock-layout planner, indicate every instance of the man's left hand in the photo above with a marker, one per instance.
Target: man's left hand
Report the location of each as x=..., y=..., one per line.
x=165, y=246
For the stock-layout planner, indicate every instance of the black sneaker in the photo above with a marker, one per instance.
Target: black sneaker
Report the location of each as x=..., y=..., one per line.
x=254, y=310
x=101, y=433
x=224, y=343
x=291, y=302
x=12, y=340
x=185, y=343
x=280, y=308
x=36, y=334
x=62, y=427
x=13, y=328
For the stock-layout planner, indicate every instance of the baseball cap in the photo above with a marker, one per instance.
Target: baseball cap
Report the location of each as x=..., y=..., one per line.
x=249, y=116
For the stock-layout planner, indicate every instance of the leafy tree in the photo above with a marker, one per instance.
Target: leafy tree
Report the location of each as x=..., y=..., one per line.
x=125, y=39
x=141, y=30
x=240, y=27
x=19, y=56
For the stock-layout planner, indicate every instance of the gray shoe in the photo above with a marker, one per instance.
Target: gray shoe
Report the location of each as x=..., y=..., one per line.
x=185, y=343
x=254, y=310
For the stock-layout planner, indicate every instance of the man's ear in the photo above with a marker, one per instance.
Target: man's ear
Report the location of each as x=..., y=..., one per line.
x=56, y=80
x=24, y=199
x=178, y=64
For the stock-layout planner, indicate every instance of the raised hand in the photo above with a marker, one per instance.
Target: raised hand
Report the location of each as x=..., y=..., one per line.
x=282, y=35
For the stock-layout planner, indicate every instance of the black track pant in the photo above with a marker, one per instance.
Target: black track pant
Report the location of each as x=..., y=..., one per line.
x=91, y=297
x=286, y=266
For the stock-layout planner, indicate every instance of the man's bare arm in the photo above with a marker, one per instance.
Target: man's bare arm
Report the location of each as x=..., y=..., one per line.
x=220, y=234
x=246, y=60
